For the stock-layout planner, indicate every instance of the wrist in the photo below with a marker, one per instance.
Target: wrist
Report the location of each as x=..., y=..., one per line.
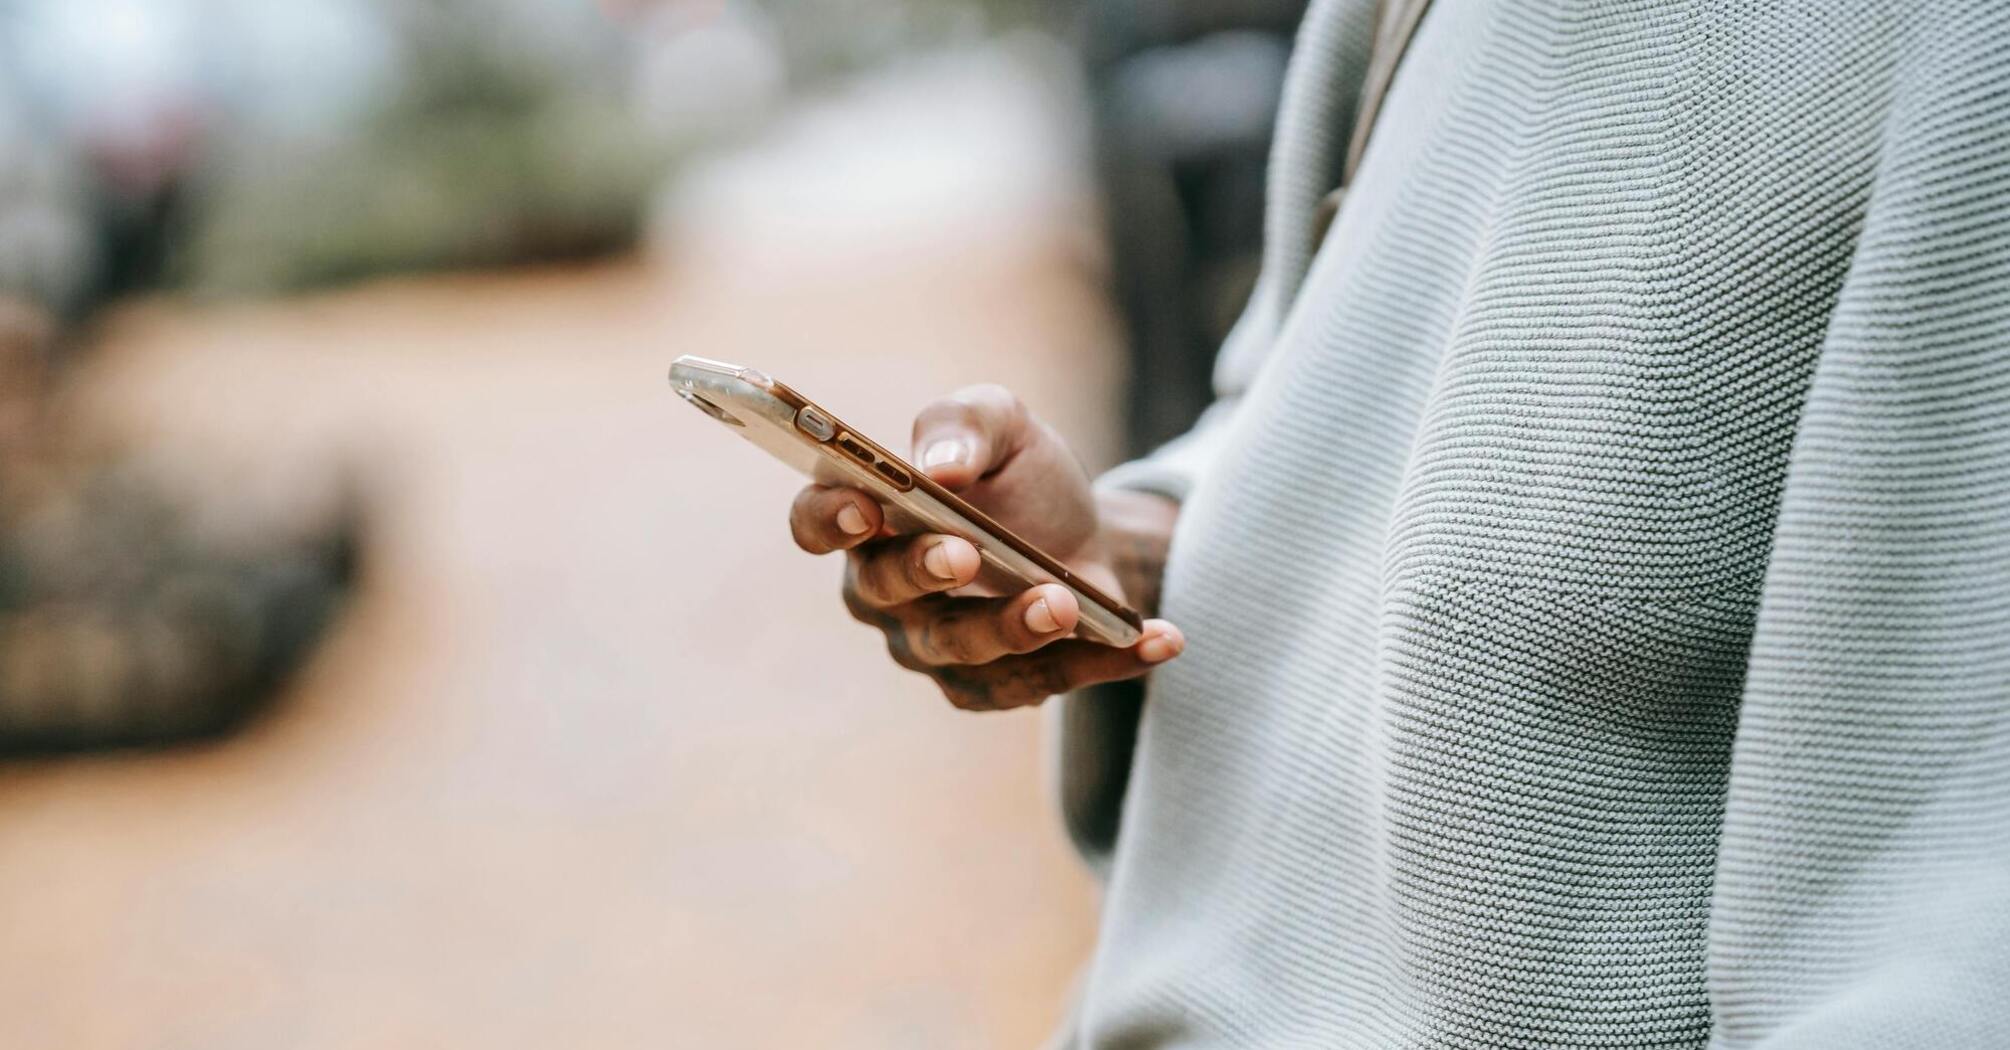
x=1133, y=533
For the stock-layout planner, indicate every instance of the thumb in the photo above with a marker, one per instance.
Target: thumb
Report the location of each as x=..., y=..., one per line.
x=969, y=434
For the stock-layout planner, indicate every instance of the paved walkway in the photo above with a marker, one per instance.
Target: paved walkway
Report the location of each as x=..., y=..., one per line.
x=596, y=760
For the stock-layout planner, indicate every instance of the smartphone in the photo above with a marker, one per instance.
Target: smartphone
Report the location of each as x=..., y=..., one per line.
x=818, y=444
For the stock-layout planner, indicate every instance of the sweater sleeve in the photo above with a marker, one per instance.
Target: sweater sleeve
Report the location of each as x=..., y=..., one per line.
x=1862, y=895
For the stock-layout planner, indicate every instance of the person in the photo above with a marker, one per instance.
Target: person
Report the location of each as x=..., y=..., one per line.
x=135, y=612
x=1593, y=581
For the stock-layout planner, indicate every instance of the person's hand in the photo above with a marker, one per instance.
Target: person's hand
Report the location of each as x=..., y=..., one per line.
x=994, y=651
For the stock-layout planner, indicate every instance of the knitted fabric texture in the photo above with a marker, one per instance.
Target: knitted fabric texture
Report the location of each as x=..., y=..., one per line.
x=1597, y=570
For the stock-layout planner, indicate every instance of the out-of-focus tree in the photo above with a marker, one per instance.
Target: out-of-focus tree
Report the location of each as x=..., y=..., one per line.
x=246, y=146
x=503, y=131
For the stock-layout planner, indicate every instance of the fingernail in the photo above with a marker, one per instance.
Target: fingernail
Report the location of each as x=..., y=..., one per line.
x=851, y=520
x=944, y=453
x=1160, y=648
x=936, y=560
x=1040, y=619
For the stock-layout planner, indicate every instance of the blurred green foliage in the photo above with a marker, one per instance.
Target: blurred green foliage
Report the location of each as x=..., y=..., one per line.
x=829, y=38
x=496, y=141
x=509, y=132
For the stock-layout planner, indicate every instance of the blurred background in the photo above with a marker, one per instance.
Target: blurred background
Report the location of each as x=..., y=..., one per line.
x=387, y=660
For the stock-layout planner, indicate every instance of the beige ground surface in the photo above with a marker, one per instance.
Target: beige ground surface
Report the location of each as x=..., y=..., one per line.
x=595, y=759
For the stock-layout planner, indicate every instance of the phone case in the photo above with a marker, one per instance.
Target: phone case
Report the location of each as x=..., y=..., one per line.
x=818, y=444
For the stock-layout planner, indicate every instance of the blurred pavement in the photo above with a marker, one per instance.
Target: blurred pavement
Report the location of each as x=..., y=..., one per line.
x=595, y=760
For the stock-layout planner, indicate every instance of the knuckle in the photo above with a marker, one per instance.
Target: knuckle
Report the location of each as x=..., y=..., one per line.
x=966, y=699
x=993, y=396
x=802, y=523
x=854, y=603
x=1041, y=433
x=921, y=641
x=814, y=537
x=966, y=691
x=898, y=649
x=874, y=584
x=866, y=594
x=1037, y=680
x=948, y=640
x=943, y=410
x=986, y=409
x=865, y=585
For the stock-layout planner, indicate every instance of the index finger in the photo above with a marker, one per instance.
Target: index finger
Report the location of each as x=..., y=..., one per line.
x=825, y=518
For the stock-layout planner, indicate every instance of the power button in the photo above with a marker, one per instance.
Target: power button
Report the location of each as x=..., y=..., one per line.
x=815, y=423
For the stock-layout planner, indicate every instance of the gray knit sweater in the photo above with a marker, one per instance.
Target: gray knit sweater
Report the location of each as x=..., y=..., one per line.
x=1597, y=571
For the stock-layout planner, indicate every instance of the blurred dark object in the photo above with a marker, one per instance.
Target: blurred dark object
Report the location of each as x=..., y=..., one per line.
x=107, y=92
x=131, y=613
x=1183, y=96
x=124, y=619
x=1183, y=99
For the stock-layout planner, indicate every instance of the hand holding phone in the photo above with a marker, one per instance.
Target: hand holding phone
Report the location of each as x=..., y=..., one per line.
x=986, y=570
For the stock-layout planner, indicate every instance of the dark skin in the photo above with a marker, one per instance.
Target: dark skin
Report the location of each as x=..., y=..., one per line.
x=992, y=651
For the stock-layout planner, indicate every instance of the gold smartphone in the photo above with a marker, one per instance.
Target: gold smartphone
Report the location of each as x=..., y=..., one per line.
x=818, y=444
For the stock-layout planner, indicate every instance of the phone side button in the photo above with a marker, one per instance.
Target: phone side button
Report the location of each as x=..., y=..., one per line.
x=815, y=423
x=899, y=477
